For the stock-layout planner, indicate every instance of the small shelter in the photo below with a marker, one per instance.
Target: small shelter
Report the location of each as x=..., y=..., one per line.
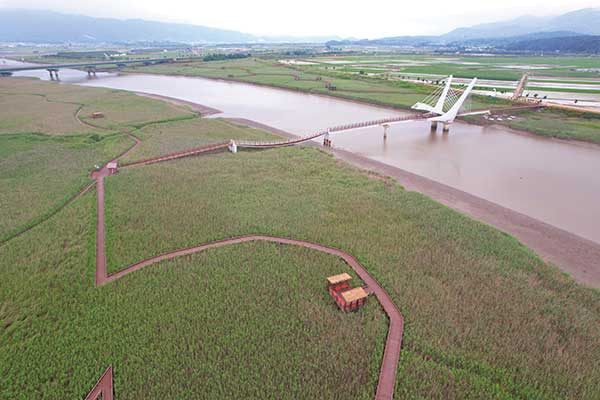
x=112, y=167
x=346, y=298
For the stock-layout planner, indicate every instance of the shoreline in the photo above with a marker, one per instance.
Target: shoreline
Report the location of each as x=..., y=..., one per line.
x=569, y=252
x=200, y=108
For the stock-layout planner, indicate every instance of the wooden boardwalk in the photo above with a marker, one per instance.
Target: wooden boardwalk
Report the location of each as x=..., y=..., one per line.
x=389, y=365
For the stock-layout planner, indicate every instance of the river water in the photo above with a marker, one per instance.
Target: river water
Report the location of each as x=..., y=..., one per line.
x=557, y=182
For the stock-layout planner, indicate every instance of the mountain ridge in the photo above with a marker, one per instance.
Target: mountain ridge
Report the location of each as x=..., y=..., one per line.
x=575, y=23
x=41, y=26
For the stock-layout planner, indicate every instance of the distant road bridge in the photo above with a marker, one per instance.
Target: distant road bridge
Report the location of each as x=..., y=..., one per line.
x=89, y=66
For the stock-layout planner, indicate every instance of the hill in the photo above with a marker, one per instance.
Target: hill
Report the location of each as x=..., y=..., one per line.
x=573, y=44
x=584, y=21
x=51, y=27
x=501, y=34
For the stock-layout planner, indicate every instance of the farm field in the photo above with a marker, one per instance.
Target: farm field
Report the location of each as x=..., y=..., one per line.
x=554, y=123
x=467, y=66
x=375, y=90
x=485, y=317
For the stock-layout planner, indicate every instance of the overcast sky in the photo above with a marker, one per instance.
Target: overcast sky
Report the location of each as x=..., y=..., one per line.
x=361, y=19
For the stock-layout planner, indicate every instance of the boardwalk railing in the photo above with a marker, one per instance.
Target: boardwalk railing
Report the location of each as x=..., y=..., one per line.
x=339, y=128
x=180, y=154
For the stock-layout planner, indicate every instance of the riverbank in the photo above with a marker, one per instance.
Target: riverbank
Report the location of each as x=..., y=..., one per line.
x=199, y=108
x=573, y=254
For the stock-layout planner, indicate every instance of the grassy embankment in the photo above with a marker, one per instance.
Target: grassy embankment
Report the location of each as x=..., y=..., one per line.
x=560, y=124
x=372, y=90
x=49, y=143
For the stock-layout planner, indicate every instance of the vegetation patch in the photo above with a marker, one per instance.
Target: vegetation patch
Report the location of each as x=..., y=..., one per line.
x=39, y=173
x=245, y=321
x=449, y=275
x=174, y=136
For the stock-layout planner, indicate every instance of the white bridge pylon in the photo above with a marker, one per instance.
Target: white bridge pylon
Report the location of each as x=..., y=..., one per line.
x=441, y=101
x=450, y=115
x=448, y=99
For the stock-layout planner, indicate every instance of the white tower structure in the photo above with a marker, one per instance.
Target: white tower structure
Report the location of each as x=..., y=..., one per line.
x=449, y=117
x=438, y=108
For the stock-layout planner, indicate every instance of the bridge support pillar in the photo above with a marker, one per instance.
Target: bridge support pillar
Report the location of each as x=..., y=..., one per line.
x=53, y=74
x=434, y=125
x=326, y=140
x=446, y=128
x=385, y=129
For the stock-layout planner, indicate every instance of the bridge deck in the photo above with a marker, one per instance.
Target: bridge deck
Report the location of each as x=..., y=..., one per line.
x=79, y=65
x=334, y=129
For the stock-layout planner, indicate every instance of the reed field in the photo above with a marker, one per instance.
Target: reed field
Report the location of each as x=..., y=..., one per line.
x=559, y=124
x=34, y=106
x=485, y=317
x=173, y=136
x=49, y=143
x=39, y=173
x=246, y=321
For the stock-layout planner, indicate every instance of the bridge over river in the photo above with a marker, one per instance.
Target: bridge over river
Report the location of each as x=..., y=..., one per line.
x=89, y=66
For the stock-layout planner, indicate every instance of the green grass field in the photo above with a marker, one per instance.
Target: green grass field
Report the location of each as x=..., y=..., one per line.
x=174, y=136
x=49, y=143
x=452, y=277
x=485, y=317
x=39, y=173
x=484, y=67
x=559, y=124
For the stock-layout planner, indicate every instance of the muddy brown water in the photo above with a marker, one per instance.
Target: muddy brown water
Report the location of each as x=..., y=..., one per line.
x=551, y=180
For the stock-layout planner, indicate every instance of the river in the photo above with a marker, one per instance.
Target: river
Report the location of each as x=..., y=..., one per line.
x=551, y=180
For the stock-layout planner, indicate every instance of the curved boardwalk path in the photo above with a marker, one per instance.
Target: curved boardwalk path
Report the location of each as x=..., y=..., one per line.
x=387, y=375
x=103, y=388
